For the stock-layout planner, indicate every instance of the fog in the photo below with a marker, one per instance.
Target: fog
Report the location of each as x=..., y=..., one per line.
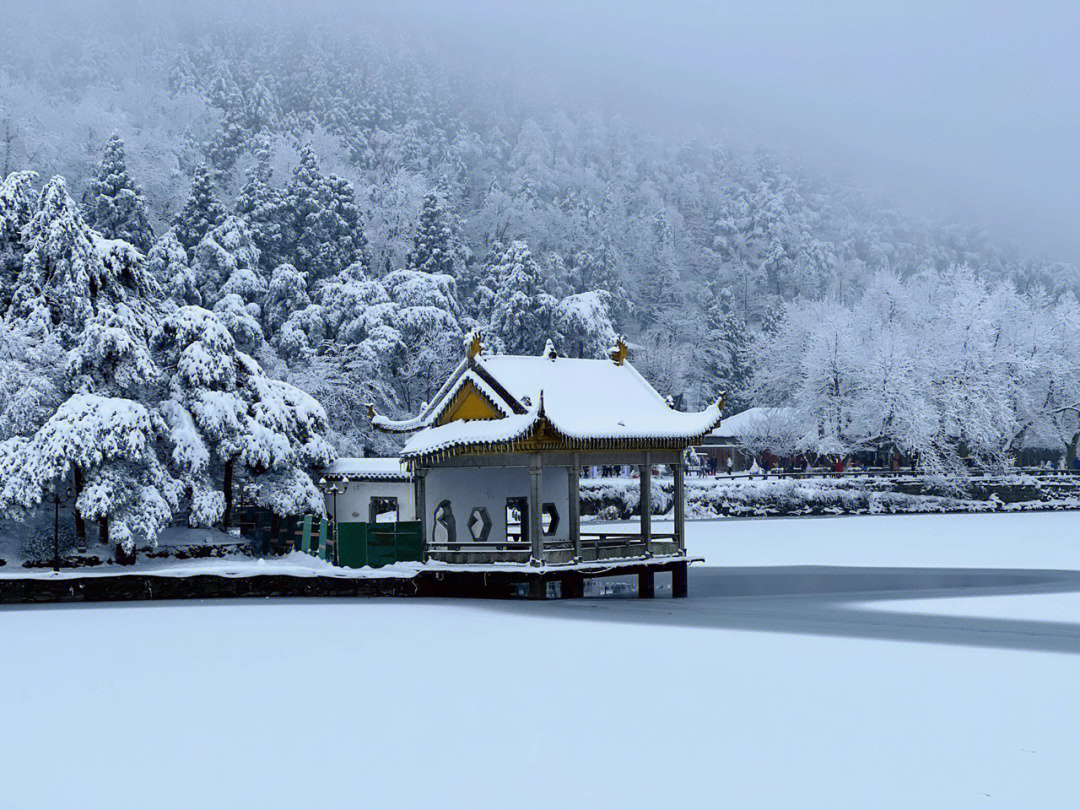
x=960, y=111
x=956, y=110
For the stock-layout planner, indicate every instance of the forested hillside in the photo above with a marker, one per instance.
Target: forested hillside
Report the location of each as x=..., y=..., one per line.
x=257, y=215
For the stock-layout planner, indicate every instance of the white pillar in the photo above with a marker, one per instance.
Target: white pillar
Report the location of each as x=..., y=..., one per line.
x=575, y=506
x=536, y=527
x=680, y=507
x=420, y=508
x=646, y=502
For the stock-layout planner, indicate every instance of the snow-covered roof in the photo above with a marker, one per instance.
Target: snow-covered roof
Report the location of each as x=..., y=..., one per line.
x=583, y=401
x=738, y=423
x=369, y=469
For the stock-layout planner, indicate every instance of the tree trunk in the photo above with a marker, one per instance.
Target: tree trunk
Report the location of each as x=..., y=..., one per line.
x=227, y=488
x=103, y=531
x=124, y=557
x=80, y=523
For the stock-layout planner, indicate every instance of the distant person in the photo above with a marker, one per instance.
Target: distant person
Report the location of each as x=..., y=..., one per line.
x=730, y=465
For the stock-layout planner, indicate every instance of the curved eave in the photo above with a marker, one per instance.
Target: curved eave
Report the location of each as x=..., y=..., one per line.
x=524, y=440
x=382, y=423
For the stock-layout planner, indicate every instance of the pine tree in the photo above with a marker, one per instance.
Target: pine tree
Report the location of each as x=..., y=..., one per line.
x=17, y=203
x=263, y=207
x=70, y=272
x=326, y=233
x=435, y=245
x=725, y=353
x=113, y=205
x=521, y=319
x=167, y=263
x=227, y=418
x=286, y=294
x=662, y=286
x=107, y=444
x=201, y=213
x=584, y=324
x=226, y=262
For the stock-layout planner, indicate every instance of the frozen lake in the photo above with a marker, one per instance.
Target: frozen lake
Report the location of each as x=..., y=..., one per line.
x=914, y=661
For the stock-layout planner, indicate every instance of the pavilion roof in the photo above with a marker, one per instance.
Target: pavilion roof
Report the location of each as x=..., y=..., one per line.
x=578, y=402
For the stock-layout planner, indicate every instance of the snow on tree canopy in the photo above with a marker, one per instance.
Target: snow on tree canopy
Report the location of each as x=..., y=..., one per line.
x=223, y=406
x=17, y=201
x=584, y=323
x=226, y=262
x=113, y=204
x=111, y=441
x=69, y=270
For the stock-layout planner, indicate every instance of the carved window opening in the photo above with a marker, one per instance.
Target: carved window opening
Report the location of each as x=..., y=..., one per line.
x=444, y=520
x=549, y=519
x=479, y=524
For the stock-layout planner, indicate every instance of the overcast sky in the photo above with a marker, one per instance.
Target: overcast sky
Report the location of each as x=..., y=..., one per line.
x=968, y=110
x=961, y=110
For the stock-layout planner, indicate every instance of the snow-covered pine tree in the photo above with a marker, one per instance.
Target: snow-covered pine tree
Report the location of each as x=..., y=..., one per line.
x=481, y=284
x=286, y=294
x=584, y=324
x=70, y=272
x=18, y=201
x=661, y=288
x=226, y=261
x=201, y=213
x=326, y=233
x=227, y=418
x=724, y=353
x=521, y=318
x=113, y=205
x=599, y=269
x=31, y=379
x=167, y=262
x=108, y=445
x=425, y=315
x=262, y=206
x=111, y=357
x=436, y=247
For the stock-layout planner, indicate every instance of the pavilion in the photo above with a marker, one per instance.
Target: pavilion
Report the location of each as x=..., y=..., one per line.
x=496, y=456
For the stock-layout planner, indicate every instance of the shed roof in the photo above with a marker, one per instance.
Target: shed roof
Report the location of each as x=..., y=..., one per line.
x=369, y=469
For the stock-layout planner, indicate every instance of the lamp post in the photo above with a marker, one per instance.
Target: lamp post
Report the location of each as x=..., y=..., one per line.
x=57, y=500
x=334, y=488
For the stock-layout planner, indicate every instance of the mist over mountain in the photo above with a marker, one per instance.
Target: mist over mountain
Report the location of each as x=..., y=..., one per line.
x=351, y=194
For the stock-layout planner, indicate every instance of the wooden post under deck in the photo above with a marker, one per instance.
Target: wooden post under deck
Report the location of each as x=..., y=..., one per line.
x=679, y=472
x=645, y=477
x=536, y=527
x=575, y=506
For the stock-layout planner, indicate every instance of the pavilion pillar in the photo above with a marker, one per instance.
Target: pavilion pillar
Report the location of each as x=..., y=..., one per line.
x=575, y=506
x=645, y=476
x=536, y=532
x=679, y=472
x=420, y=508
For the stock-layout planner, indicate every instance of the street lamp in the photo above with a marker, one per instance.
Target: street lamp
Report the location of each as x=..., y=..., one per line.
x=57, y=499
x=334, y=489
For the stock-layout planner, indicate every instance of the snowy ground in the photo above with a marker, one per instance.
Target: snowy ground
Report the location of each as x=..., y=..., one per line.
x=925, y=661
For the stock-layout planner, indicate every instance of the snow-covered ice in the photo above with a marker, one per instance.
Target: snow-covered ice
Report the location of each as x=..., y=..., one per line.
x=772, y=686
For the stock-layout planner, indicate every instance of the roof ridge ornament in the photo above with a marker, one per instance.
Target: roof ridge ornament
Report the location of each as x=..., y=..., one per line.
x=618, y=352
x=475, y=347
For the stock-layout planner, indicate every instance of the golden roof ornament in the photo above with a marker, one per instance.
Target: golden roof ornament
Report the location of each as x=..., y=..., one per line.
x=475, y=346
x=618, y=353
